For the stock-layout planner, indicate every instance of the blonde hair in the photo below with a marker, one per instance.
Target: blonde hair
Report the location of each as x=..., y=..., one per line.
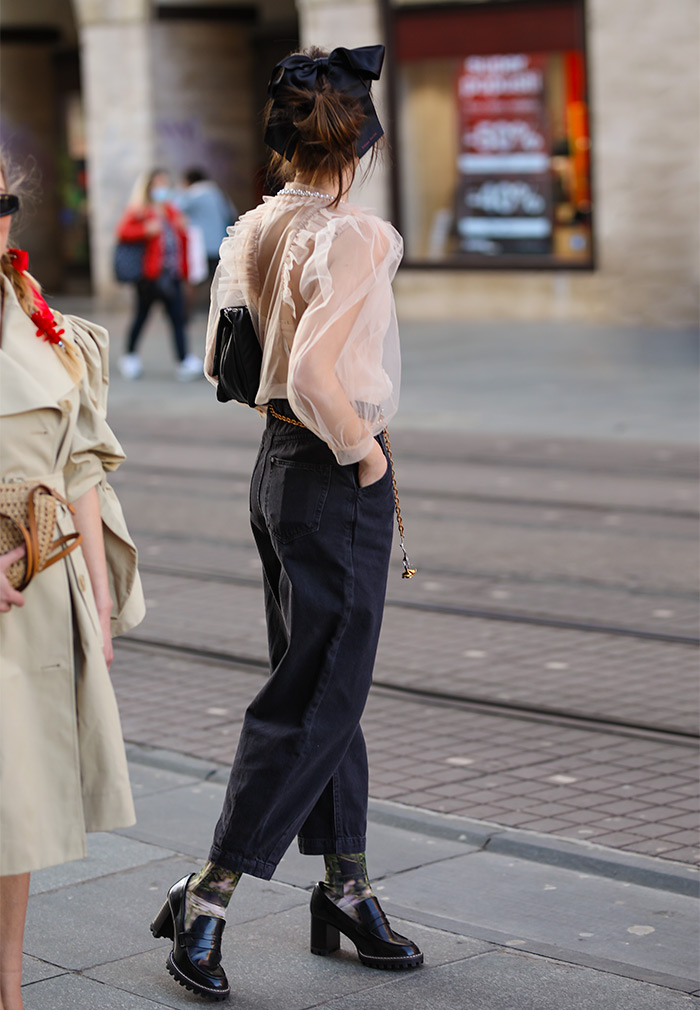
x=23, y=284
x=140, y=191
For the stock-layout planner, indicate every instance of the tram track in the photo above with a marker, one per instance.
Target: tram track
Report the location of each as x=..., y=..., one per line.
x=434, y=571
x=658, y=468
x=441, y=494
x=551, y=715
x=652, y=514
x=483, y=613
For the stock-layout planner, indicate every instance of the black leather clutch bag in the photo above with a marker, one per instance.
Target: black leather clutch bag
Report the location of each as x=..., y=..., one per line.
x=237, y=356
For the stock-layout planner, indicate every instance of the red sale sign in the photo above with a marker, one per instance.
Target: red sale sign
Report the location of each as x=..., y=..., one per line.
x=505, y=192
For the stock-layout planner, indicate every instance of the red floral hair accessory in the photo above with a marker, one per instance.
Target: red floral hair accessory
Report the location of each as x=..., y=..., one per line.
x=42, y=316
x=20, y=259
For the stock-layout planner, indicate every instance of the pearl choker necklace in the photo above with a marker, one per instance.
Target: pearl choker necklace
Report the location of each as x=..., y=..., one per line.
x=288, y=191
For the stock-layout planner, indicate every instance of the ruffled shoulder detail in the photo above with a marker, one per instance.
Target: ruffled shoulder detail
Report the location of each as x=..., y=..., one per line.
x=301, y=249
x=238, y=254
x=93, y=343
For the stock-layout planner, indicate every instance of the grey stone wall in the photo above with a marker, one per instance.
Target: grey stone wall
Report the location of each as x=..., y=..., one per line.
x=645, y=83
x=203, y=103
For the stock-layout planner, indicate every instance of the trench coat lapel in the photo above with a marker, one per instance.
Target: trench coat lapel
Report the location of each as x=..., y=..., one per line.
x=20, y=391
x=28, y=381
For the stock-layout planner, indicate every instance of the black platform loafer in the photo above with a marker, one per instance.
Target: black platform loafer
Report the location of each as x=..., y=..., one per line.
x=378, y=946
x=195, y=960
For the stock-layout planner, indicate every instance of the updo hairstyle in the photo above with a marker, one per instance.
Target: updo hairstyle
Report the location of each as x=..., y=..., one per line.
x=328, y=123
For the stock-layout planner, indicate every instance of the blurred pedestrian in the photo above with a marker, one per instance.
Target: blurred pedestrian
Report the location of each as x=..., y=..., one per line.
x=153, y=220
x=62, y=763
x=315, y=274
x=208, y=208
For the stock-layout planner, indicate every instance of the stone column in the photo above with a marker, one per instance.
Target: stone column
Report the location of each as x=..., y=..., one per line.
x=644, y=103
x=115, y=50
x=351, y=23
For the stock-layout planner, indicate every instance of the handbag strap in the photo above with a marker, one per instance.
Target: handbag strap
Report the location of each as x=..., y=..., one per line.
x=68, y=542
x=72, y=539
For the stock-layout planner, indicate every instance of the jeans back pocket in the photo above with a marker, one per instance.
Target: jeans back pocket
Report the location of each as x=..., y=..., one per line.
x=295, y=494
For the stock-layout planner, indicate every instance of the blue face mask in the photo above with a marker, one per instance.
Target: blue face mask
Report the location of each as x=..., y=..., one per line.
x=160, y=194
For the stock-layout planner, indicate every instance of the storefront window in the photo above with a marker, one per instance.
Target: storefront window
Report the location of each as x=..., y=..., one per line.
x=492, y=134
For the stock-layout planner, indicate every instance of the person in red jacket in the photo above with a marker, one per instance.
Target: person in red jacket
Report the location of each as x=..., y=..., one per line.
x=151, y=218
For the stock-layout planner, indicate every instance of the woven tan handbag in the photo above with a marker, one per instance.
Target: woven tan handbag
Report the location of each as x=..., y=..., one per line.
x=28, y=517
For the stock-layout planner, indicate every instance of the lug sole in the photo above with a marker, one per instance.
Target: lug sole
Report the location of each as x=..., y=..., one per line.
x=325, y=940
x=390, y=964
x=187, y=983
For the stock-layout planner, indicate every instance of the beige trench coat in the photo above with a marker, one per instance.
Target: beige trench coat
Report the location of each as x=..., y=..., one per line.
x=62, y=764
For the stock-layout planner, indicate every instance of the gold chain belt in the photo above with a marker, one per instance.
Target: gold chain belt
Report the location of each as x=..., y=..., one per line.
x=407, y=572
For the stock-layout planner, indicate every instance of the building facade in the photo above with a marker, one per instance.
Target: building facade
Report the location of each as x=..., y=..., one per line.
x=543, y=154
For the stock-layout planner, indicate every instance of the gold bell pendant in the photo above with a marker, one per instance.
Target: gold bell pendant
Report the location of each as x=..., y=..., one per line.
x=407, y=572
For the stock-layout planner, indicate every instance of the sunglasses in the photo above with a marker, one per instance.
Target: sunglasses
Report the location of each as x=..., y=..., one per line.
x=9, y=204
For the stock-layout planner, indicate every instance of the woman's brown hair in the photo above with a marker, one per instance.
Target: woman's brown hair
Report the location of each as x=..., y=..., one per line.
x=327, y=123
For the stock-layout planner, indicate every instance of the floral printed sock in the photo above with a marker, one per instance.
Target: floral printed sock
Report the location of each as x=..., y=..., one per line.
x=209, y=892
x=347, y=883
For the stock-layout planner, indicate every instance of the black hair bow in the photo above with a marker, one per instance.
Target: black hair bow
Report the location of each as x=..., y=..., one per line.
x=348, y=70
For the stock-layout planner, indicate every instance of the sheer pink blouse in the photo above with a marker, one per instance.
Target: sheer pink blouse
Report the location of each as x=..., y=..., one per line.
x=317, y=282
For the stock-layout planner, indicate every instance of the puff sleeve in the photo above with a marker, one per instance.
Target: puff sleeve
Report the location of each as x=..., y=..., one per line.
x=94, y=448
x=94, y=452
x=344, y=365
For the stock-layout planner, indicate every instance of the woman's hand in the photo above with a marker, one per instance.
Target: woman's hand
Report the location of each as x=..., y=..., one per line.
x=9, y=597
x=373, y=467
x=105, y=615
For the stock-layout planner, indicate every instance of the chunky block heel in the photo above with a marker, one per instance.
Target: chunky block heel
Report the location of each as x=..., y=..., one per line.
x=162, y=925
x=324, y=937
x=378, y=946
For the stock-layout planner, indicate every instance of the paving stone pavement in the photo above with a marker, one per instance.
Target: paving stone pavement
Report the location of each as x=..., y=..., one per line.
x=634, y=794
x=595, y=675
x=589, y=530
x=541, y=861
x=521, y=930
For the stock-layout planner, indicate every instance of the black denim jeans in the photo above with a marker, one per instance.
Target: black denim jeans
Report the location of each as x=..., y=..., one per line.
x=301, y=764
x=167, y=290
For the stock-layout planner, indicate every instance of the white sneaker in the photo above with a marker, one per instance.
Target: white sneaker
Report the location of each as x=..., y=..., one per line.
x=190, y=368
x=130, y=366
